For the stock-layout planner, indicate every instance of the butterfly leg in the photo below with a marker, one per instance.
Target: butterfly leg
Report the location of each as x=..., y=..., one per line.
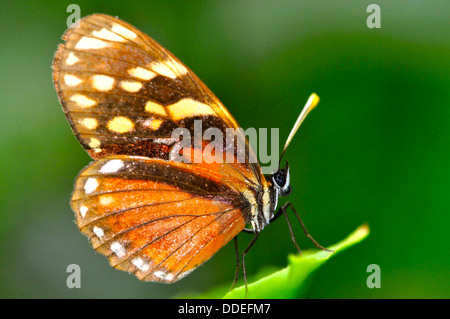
x=282, y=211
x=237, y=264
x=255, y=237
x=305, y=230
x=249, y=231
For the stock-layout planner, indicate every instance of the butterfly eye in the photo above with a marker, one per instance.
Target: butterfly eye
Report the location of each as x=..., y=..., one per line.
x=280, y=179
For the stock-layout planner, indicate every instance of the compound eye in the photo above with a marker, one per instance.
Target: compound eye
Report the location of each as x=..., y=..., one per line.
x=280, y=179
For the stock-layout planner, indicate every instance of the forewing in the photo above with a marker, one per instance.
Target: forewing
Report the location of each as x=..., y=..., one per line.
x=156, y=219
x=123, y=93
x=108, y=68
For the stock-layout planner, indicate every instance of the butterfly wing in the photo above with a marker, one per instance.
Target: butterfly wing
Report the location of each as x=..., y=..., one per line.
x=156, y=219
x=123, y=93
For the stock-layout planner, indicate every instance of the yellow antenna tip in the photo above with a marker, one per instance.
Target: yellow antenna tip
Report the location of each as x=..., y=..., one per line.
x=313, y=101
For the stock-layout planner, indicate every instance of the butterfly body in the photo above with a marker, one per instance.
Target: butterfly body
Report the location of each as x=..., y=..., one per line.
x=124, y=95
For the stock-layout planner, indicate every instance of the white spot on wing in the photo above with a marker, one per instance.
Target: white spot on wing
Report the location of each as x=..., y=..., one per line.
x=120, y=124
x=112, y=166
x=88, y=43
x=91, y=185
x=130, y=86
x=108, y=35
x=102, y=82
x=72, y=59
x=118, y=249
x=94, y=143
x=174, y=65
x=98, y=232
x=89, y=123
x=71, y=80
x=140, y=264
x=155, y=108
x=83, y=211
x=117, y=28
x=162, y=69
x=189, y=108
x=141, y=73
x=163, y=275
x=82, y=100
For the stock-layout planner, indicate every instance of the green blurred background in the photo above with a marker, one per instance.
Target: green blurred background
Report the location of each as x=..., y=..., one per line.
x=376, y=149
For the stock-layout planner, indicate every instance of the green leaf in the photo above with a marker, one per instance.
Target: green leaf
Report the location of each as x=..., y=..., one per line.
x=289, y=282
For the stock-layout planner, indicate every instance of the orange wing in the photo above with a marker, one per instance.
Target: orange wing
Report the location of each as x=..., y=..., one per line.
x=123, y=95
x=156, y=219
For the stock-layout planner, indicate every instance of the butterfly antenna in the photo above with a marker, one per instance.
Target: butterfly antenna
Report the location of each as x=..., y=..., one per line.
x=309, y=106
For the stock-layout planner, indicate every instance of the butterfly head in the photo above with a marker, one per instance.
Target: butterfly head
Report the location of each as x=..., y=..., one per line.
x=281, y=180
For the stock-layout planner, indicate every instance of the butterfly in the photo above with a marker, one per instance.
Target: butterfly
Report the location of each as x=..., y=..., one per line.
x=157, y=218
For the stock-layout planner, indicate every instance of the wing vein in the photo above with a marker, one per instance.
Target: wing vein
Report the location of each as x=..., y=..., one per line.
x=182, y=244
x=196, y=253
x=131, y=41
x=133, y=95
x=149, y=190
x=150, y=222
x=136, y=207
x=189, y=186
